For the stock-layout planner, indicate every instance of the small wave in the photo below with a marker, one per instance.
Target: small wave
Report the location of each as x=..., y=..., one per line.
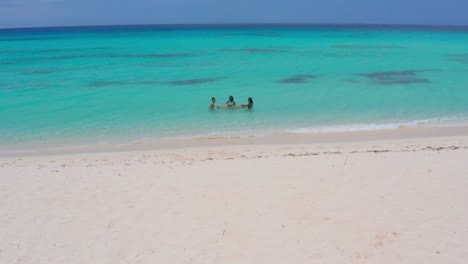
x=376, y=126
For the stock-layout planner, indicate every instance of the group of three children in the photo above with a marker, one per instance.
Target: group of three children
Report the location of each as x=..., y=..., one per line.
x=231, y=103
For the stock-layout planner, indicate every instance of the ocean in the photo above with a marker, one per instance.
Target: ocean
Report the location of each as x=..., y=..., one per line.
x=134, y=83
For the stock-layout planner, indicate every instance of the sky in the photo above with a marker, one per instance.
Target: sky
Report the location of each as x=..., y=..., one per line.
x=40, y=13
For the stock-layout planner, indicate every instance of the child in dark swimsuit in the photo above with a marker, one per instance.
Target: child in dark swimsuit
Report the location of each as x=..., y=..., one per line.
x=249, y=104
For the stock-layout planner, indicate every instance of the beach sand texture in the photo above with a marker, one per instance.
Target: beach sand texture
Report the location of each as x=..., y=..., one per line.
x=388, y=201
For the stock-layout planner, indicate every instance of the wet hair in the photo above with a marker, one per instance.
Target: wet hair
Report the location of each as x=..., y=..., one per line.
x=212, y=99
x=231, y=98
x=250, y=100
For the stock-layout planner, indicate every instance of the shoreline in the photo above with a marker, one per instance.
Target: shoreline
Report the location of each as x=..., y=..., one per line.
x=205, y=153
x=286, y=138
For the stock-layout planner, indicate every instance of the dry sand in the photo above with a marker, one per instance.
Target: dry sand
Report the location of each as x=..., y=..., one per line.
x=386, y=201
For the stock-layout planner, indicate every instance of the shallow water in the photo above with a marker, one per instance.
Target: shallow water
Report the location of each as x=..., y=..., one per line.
x=131, y=83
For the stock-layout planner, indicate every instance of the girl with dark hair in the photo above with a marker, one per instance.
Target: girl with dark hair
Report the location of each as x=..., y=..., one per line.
x=249, y=104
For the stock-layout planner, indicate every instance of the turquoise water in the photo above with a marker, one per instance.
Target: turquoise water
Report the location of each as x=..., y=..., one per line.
x=134, y=83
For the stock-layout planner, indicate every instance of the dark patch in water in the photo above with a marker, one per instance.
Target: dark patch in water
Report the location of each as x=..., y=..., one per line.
x=118, y=83
x=53, y=50
x=12, y=88
x=464, y=55
x=178, y=82
x=54, y=70
x=391, y=74
x=460, y=58
x=259, y=34
x=404, y=81
x=367, y=47
x=362, y=35
x=351, y=81
x=18, y=61
x=10, y=51
x=193, y=81
x=168, y=55
x=99, y=55
x=265, y=34
x=40, y=71
x=28, y=39
x=178, y=64
x=71, y=49
x=396, y=77
x=462, y=61
x=253, y=50
x=69, y=57
x=345, y=35
x=113, y=55
x=330, y=54
x=103, y=83
x=298, y=78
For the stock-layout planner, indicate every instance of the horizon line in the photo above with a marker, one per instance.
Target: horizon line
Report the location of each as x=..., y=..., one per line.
x=242, y=24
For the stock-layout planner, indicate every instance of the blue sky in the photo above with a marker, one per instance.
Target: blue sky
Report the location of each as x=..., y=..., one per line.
x=34, y=13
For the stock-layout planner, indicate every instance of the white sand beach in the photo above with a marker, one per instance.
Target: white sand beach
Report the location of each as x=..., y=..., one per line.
x=379, y=201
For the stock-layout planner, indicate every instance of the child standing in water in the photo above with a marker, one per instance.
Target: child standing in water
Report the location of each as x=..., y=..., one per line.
x=213, y=102
x=249, y=104
x=231, y=101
